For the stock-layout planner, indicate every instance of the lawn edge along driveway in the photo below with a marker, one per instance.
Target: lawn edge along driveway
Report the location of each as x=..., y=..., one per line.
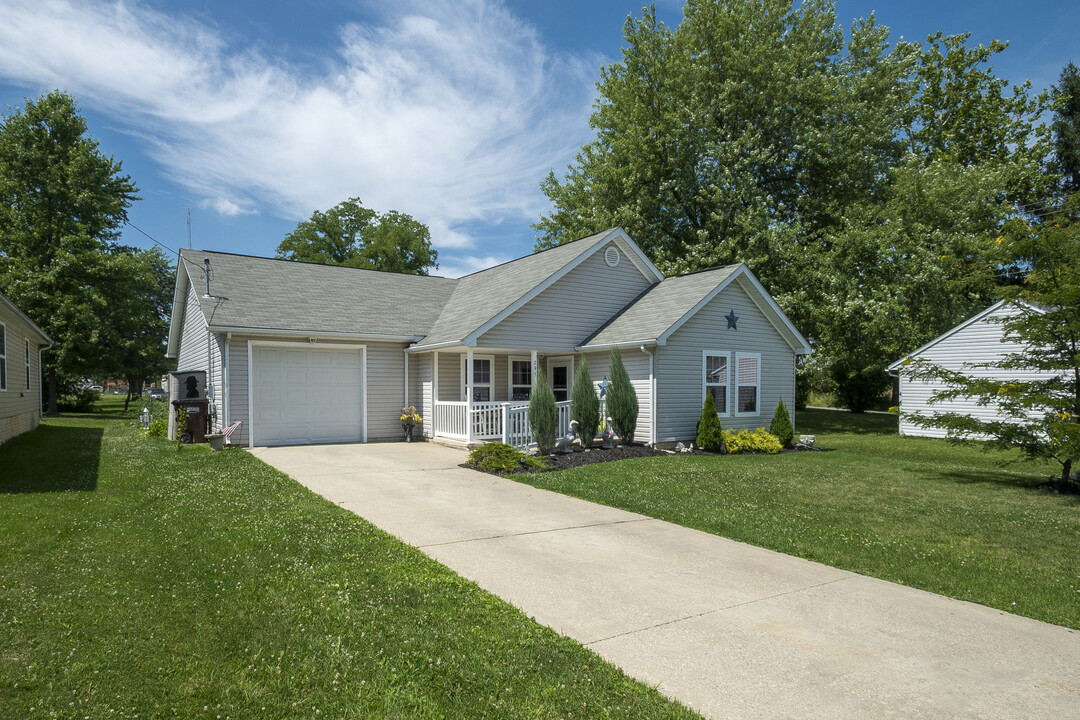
x=729, y=629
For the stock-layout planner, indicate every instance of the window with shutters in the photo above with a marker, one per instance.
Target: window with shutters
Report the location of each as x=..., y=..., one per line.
x=716, y=379
x=747, y=383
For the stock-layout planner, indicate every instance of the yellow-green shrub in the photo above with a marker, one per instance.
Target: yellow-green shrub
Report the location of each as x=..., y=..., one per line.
x=748, y=441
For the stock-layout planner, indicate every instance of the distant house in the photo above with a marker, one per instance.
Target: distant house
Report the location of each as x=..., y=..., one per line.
x=21, y=343
x=304, y=353
x=977, y=340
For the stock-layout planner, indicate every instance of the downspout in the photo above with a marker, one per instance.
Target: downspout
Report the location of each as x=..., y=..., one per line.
x=406, y=352
x=225, y=383
x=652, y=396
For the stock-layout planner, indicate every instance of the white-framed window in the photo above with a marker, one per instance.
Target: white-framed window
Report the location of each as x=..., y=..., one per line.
x=27, y=364
x=3, y=357
x=483, y=371
x=747, y=383
x=716, y=379
x=520, y=379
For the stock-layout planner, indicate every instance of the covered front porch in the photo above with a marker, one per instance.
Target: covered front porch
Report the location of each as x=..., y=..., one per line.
x=479, y=395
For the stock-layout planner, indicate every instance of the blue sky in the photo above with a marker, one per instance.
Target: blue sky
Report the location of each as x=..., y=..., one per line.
x=254, y=114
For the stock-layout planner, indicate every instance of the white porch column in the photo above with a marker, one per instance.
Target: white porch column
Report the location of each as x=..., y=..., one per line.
x=468, y=395
x=535, y=367
x=435, y=393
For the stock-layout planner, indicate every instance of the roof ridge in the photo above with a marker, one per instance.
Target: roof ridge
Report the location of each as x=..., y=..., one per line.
x=541, y=252
x=189, y=251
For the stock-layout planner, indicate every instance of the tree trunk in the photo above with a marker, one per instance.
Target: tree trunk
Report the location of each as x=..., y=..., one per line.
x=1066, y=470
x=52, y=411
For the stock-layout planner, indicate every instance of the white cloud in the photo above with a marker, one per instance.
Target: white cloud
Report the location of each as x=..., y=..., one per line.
x=226, y=207
x=449, y=112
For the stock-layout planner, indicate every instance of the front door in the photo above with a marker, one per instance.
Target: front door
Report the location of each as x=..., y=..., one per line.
x=561, y=372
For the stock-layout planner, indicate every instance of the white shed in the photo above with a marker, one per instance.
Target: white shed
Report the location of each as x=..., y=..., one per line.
x=980, y=339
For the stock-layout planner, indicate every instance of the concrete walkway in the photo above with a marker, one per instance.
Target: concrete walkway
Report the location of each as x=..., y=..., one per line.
x=731, y=630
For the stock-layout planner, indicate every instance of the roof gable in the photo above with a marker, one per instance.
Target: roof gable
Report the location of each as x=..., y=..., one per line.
x=482, y=300
x=16, y=312
x=655, y=315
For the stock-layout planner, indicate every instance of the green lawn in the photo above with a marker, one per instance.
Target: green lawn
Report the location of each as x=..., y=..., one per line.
x=139, y=580
x=952, y=520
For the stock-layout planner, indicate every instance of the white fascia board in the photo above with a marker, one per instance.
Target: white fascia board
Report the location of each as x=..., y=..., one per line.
x=617, y=234
x=179, y=307
x=949, y=333
x=777, y=316
x=33, y=325
x=254, y=332
x=435, y=346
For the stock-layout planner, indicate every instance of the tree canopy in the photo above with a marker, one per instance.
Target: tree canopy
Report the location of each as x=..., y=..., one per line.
x=353, y=235
x=63, y=203
x=861, y=182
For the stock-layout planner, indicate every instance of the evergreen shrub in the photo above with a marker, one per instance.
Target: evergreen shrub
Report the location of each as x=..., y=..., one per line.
x=781, y=425
x=584, y=404
x=543, y=415
x=710, y=434
x=622, y=400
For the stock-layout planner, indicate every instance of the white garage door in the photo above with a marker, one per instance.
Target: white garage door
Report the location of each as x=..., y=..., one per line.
x=304, y=395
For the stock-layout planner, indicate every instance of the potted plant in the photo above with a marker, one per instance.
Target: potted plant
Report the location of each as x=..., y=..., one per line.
x=410, y=418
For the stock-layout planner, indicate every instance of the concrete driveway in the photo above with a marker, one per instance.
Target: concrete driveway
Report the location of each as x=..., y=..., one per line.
x=731, y=630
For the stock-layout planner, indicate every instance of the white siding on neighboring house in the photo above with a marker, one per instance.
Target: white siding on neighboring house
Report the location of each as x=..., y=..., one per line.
x=637, y=366
x=680, y=374
x=974, y=342
x=572, y=309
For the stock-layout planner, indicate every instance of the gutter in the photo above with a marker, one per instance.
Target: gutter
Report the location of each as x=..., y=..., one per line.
x=225, y=329
x=620, y=345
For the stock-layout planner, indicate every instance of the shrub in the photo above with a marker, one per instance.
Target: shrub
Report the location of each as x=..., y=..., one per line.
x=781, y=425
x=710, y=434
x=622, y=402
x=159, y=418
x=543, y=415
x=752, y=441
x=584, y=404
x=500, y=457
x=77, y=400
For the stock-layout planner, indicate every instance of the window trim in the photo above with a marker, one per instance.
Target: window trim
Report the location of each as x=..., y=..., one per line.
x=510, y=384
x=756, y=385
x=27, y=363
x=490, y=384
x=3, y=357
x=705, y=385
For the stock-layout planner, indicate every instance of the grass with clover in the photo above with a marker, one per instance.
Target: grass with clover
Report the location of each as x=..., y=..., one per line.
x=918, y=511
x=139, y=580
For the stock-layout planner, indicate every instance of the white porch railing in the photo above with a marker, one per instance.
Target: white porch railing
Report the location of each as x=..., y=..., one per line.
x=450, y=419
x=504, y=421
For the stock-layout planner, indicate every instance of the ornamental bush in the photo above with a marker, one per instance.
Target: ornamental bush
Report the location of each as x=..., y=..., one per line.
x=752, y=441
x=622, y=402
x=710, y=434
x=543, y=415
x=781, y=425
x=500, y=457
x=584, y=404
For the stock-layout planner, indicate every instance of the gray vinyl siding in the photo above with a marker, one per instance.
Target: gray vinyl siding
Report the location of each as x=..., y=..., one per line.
x=679, y=369
x=199, y=350
x=238, y=388
x=980, y=342
x=420, y=368
x=637, y=366
x=450, y=377
x=572, y=309
x=20, y=409
x=385, y=390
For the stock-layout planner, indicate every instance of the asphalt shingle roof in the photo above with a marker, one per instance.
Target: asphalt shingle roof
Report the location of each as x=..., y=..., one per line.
x=267, y=294
x=483, y=295
x=653, y=312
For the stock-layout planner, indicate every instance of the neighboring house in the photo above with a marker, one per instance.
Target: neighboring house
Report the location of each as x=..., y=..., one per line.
x=21, y=343
x=980, y=339
x=304, y=353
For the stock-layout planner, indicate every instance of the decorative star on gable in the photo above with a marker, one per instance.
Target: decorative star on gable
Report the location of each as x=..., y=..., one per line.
x=732, y=318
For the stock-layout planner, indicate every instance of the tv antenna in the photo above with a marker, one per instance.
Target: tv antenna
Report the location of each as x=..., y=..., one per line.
x=189, y=228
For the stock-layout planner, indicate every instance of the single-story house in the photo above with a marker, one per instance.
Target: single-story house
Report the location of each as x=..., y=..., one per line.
x=978, y=340
x=21, y=344
x=305, y=353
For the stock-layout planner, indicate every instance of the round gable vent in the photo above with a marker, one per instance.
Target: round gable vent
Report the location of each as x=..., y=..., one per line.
x=611, y=256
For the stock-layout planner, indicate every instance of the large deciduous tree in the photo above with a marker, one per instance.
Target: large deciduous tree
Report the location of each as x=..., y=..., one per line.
x=860, y=182
x=353, y=235
x=1039, y=416
x=62, y=205
x=1066, y=129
